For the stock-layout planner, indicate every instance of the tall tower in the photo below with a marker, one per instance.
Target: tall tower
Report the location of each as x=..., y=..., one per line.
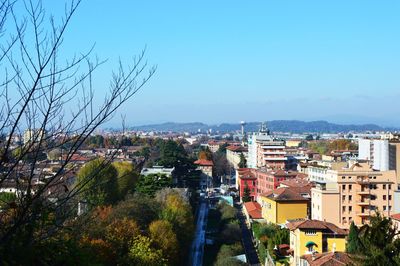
x=242, y=124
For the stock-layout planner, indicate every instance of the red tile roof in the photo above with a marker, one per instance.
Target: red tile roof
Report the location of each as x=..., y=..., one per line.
x=76, y=157
x=246, y=173
x=284, y=194
x=396, y=216
x=253, y=209
x=204, y=162
x=316, y=224
x=328, y=259
x=236, y=148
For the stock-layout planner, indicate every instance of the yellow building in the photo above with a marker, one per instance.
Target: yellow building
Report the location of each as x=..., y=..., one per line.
x=284, y=204
x=293, y=143
x=313, y=236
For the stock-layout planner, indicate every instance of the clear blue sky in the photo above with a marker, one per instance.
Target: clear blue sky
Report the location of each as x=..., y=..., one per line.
x=226, y=61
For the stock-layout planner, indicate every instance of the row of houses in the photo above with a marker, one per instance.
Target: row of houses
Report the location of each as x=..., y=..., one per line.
x=318, y=209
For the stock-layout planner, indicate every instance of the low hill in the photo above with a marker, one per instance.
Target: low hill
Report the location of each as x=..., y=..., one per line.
x=293, y=126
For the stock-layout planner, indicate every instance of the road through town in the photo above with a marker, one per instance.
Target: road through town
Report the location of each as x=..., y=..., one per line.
x=197, y=251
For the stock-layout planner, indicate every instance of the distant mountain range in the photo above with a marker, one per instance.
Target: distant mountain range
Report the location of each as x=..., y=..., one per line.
x=293, y=126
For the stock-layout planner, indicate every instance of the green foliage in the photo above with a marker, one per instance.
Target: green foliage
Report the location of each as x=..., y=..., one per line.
x=149, y=184
x=243, y=162
x=379, y=243
x=143, y=252
x=95, y=141
x=246, y=194
x=21, y=153
x=228, y=213
x=178, y=212
x=230, y=233
x=141, y=208
x=145, y=152
x=6, y=198
x=353, y=245
x=54, y=154
x=127, y=177
x=226, y=254
x=270, y=235
x=120, y=234
x=326, y=147
x=140, y=230
x=309, y=137
x=173, y=154
x=98, y=180
x=222, y=148
x=164, y=237
x=262, y=251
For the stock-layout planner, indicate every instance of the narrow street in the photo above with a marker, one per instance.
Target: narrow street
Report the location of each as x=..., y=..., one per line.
x=247, y=238
x=197, y=251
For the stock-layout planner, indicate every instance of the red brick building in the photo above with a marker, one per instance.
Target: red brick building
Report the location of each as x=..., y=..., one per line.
x=263, y=180
x=270, y=180
x=247, y=177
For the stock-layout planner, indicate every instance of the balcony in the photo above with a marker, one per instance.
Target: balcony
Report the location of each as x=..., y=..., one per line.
x=363, y=203
x=274, y=152
x=275, y=158
x=363, y=192
x=364, y=214
x=273, y=147
x=363, y=181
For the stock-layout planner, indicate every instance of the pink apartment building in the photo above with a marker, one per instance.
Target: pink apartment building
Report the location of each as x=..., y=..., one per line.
x=353, y=194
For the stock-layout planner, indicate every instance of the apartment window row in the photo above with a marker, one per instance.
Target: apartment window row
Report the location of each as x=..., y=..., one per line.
x=350, y=197
x=349, y=177
x=349, y=208
x=384, y=197
x=349, y=187
x=385, y=208
x=344, y=220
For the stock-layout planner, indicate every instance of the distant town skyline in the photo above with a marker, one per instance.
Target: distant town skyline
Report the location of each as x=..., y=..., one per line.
x=229, y=61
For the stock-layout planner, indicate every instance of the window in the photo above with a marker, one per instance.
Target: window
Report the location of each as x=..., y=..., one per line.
x=343, y=177
x=390, y=208
x=344, y=220
x=350, y=219
x=384, y=208
x=384, y=197
x=350, y=197
x=390, y=186
x=390, y=197
x=384, y=186
x=343, y=197
x=310, y=232
x=343, y=187
x=343, y=208
x=350, y=187
x=350, y=208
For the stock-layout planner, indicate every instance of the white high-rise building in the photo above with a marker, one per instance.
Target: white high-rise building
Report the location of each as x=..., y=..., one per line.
x=265, y=151
x=376, y=151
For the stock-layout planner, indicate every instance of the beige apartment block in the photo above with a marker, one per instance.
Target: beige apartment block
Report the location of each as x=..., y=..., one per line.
x=353, y=194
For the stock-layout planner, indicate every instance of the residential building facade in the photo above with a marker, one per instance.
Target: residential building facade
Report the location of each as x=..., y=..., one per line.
x=353, y=194
x=308, y=237
x=283, y=204
x=265, y=151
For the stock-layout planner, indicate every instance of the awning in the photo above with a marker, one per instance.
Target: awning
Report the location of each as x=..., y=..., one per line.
x=311, y=243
